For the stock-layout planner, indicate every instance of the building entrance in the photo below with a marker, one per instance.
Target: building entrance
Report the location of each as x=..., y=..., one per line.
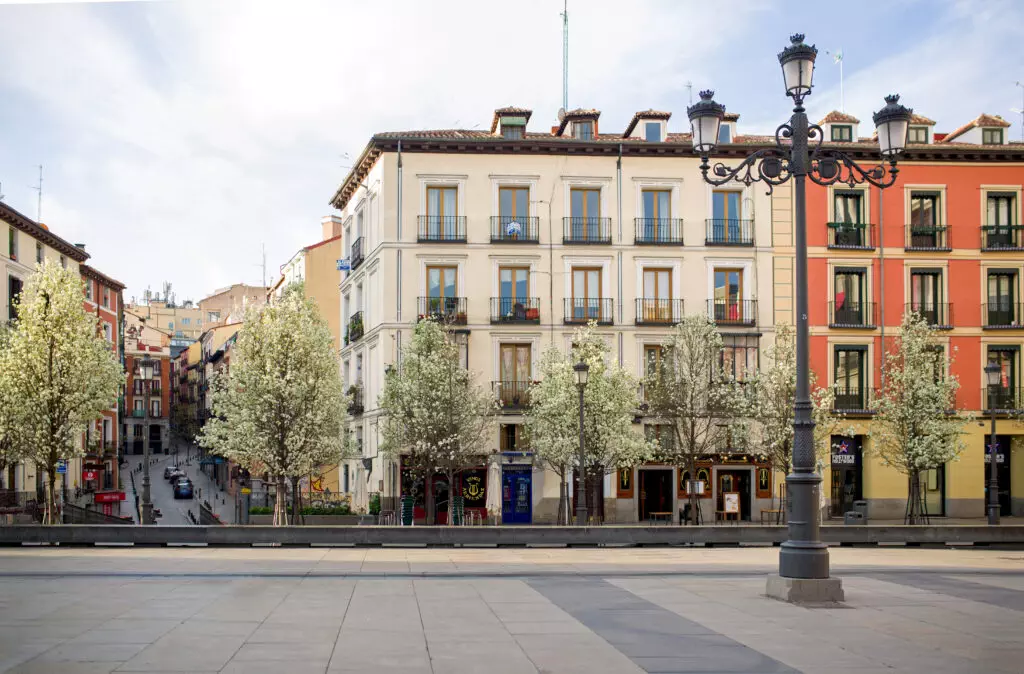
x=1002, y=472
x=847, y=473
x=734, y=481
x=655, y=500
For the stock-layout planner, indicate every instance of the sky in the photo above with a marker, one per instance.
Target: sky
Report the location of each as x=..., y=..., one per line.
x=180, y=138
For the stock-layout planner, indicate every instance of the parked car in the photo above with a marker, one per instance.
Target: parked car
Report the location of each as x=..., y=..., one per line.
x=183, y=488
x=176, y=475
x=168, y=471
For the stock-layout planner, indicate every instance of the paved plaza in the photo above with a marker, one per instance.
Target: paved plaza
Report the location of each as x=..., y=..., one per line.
x=497, y=611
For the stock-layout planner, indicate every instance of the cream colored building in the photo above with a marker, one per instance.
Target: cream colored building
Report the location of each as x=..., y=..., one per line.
x=517, y=238
x=227, y=305
x=316, y=267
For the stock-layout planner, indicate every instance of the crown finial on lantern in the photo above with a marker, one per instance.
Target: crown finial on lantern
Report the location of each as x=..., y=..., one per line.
x=797, y=38
x=707, y=95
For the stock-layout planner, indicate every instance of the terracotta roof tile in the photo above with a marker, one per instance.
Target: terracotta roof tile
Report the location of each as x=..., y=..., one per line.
x=979, y=121
x=645, y=114
x=731, y=117
x=574, y=114
x=921, y=120
x=836, y=117
x=509, y=110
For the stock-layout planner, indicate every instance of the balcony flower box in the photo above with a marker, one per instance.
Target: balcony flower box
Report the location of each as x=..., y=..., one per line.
x=533, y=314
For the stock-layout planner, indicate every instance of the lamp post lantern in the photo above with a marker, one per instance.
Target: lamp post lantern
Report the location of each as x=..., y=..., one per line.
x=993, y=375
x=582, y=371
x=799, y=154
x=146, y=375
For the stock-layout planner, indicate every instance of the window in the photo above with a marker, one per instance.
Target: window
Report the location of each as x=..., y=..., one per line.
x=212, y=316
x=63, y=262
x=344, y=478
x=726, y=214
x=728, y=295
x=585, y=211
x=139, y=406
x=652, y=131
x=739, y=357
x=938, y=354
x=586, y=294
x=186, y=321
x=12, y=243
x=848, y=218
x=652, y=358
x=991, y=136
x=154, y=408
x=514, y=374
x=137, y=386
x=511, y=132
x=1005, y=392
x=39, y=252
x=724, y=133
x=850, y=377
x=179, y=333
x=14, y=285
x=848, y=299
x=583, y=130
x=918, y=134
x=926, y=295
x=657, y=204
x=513, y=205
x=442, y=282
x=924, y=221
x=842, y=133
x=106, y=298
x=512, y=438
x=514, y=284
x=1002, y=286
x=107, y=332
x=442, y=213
x=1001, y=209
x=156, y=368
x=88, y=289
x=170, y=325
x=657, y=298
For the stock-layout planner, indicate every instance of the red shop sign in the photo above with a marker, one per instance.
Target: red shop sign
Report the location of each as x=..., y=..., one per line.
x=90, y=474
x=108, y=496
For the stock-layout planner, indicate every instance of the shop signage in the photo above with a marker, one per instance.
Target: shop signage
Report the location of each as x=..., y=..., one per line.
x=844, y=454
x=732, y=502
x=108, y=496
x=90, y=475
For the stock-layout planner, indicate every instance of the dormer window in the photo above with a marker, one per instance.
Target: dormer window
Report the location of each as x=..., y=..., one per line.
x=724, y=133
x=918, y=134
x=842, y=133
x=991, y=136
x=510, y=132
x=583, y=130
x=652, y=132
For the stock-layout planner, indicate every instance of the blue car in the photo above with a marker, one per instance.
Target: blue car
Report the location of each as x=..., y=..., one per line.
x=183, y=488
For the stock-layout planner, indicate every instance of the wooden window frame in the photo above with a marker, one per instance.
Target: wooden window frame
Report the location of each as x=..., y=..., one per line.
x=738, y=270
x=600, y=282
x=514, y=189
x=578, y=126
x=515, y=347
x=514, y=268
x=442, y=267
x=923, y=130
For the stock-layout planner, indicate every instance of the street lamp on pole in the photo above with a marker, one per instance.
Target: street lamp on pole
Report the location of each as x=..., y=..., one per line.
x=582, y=371
x=994, y=375
x=146, y=375
x=799, y=154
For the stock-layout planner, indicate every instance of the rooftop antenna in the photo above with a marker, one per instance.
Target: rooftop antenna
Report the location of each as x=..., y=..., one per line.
x=1, y=191
x=263, y=264
x=565, y=55
x=39, y=188
x=1019, y=111
x=689, y=88
x=837, y=58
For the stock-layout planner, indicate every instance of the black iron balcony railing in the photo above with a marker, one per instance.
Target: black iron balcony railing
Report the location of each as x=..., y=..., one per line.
x=515, y=310
x=450, y=310
x=651, y=311
x=514, y=229
x=355, y=327
x=729, y=232
x=512, y=395
x=848, y=314
x=357, y=253
x=937, y=315
x=586, y=230
x=1003, y=399
x=442, y=228
x=851, y=236
x=1002, y=313
x=600, y=309
x=1002, y=237
x=659, y=231
x=853, y=400
x=927, y=237
x=355, y=403
x=734, y=312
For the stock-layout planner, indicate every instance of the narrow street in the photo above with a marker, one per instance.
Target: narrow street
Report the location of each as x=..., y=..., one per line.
x=175, y=511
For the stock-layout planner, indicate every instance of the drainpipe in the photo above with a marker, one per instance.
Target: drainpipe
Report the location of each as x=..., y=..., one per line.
x=398, y=298
x=618, y=182
x=551, y=273
x=881, y=277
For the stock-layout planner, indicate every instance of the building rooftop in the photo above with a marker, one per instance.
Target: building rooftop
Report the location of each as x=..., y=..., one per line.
x=982, y=120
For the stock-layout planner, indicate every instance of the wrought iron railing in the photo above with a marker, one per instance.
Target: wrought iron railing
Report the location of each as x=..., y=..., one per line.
x=927, y=237
x=357, y=253
x=936, y=314
x=659, y=231
x=443, y=309
x=442, y=228
x=848, y=314
x=853, y=400
x=1002, y=237
x=1002, y=313
x=729, y=232
x=512, y=395
x=733, y=312
x=584, y=310
x=1004, y=399
x=515, y=229
x=851, y=235
x=355, y=403
x=355, y=327
x=653, y=311
x=515, y=310
x=586, y=230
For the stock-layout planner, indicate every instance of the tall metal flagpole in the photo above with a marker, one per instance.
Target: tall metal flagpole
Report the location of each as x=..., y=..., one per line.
x=565, y=55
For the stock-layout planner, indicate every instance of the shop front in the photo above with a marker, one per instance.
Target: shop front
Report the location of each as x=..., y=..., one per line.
x=1003, y=472
x=516, y=494
x=470, y=485
x=847, y=461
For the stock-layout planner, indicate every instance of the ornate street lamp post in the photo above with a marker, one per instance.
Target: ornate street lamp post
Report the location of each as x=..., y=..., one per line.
x=994, y=376
x=799, y=154
x=582, y=371
x=146, y=375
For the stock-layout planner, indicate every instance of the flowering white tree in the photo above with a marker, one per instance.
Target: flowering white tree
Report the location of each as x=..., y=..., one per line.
x=10, y=453
x=552, y=423
x=280, y=407
x=772, y=394
x=689, y=392
x=916, y=425
x=436, y=418
x=57, y=373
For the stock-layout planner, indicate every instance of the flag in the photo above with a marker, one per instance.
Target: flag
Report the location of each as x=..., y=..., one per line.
x=838, y=56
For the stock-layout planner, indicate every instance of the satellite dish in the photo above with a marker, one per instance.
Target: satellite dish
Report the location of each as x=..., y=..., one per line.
x=561, y=115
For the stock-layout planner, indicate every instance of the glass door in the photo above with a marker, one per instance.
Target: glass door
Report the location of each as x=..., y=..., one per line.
x=1001, y=212
x=514, y=291
x=586, y=294
x=442, y=213
x=849, y=222
x=849, y=291
x=514, y=213
x=926, y=295
x=726, y=214
x=849, y=379
x=442, y=291
x=1001, y=286
x=728, y=295
x=1005, y=393
x=657, y=300
x=515, y=374
x=924, y=231
x=585, y=223
x=657, y=215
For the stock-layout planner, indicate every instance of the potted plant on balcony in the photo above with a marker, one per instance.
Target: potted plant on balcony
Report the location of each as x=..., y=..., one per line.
x=355, y=328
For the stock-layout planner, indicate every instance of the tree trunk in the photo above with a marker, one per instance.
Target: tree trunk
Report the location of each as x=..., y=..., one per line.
x=280, y=503
x=914, y=499
x=692, y=496
x=297, y=517
x=428, y=497
x=451, y=497
x=563, y=502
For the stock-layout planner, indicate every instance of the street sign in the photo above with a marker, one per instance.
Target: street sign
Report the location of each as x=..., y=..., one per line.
x=62, y=467
x=108, y=496
x=344, y=264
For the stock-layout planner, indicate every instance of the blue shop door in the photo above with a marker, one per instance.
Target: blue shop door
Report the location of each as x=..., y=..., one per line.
x=516, y=495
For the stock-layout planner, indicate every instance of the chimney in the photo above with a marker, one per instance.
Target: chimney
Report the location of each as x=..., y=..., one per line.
x=80, y=245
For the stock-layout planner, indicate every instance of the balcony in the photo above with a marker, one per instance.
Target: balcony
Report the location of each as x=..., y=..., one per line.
x=1004, y=399
x=357, y=253
x=1001, y=315
x=658, y=231
x=355, y=328
x=515, y=310
x=513, y=396
x=736, y=312
x=651, y=311
x=852, y=315
x=579, y=311
x=355, y=404
x=937, y=315
x=514, y=229
x=729, y=232
x=1002, y=237
x=851, y=236
x=442, y=229
x=930, y=237
x=587, y=230
x=449, y=310
x=852, y=400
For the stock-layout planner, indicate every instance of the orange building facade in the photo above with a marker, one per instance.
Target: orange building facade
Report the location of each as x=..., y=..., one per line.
x=945, y=241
